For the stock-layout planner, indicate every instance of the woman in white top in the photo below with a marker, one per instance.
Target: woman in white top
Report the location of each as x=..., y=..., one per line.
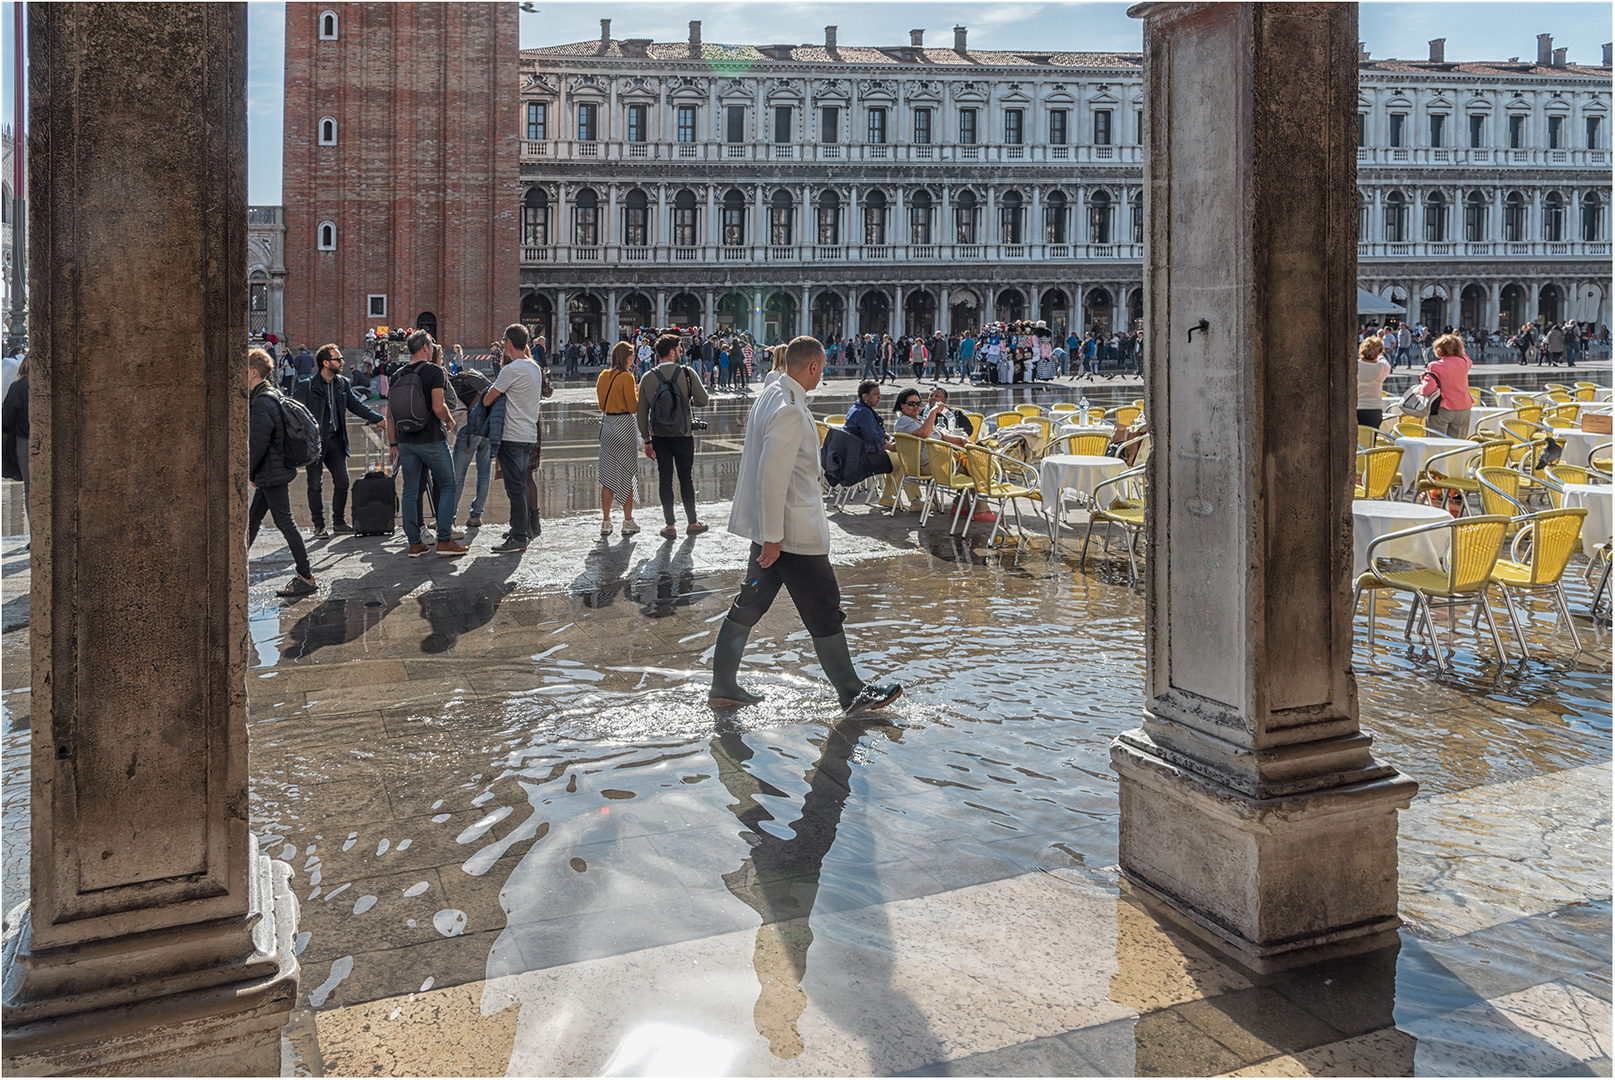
x=1372, y=368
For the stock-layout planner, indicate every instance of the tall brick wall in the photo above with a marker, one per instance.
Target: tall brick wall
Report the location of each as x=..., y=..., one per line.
x=422, y=183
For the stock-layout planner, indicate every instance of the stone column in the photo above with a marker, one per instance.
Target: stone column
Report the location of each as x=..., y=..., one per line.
x=1250, y=805
x=610, y=333
x=898, y=323
x=804, y=317
x=1494, y=293
x=156, y=938
x=944, y=313
x=710, y=315
x=661, y=308
x=563, y=322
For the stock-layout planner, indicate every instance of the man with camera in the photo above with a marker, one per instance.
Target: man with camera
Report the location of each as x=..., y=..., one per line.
x=667, y=394
x=330, y=397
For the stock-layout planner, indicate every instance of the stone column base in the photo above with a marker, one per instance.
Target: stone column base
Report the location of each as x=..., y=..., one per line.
x=1278, y=882
x=220, y=1028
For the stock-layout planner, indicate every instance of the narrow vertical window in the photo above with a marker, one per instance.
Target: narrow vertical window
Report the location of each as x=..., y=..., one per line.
x=328, y=26
x=1438, y=129
x=1057, y=120
x=327, y=240
x=922, y=126
x=1477, y=131
x=537, y=121
x=1101, y=127
x=1592, y=132
x=734, y=124
x=967, y=127
x=587, y=131
x=1013, y=133
x=877, y=125
x=686, y=123
x=829, y=124
x=1398, y=124
x=782, y=123
x=1555, y=132
x=636, y=123
x=327, y=131
x=1516, y=132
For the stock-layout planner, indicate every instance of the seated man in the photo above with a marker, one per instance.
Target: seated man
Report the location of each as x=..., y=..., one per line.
x=952, y=425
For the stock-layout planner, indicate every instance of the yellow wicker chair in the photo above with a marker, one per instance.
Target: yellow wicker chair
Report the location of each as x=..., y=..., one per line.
x=978, y=425
x=1498, y=391
x=1378, y=469
x=909, y=478
x=1433, y=477
x=1502, y=492
x=1586, y=391
x=1368, y=438
x=1029, y=410
x=1531, y=414
x=1475, y=397
x=1573, y=474
x=946, y=475
x=835, y=421
x=1008, y=418
x=1410, y=425
x=1063, y=407
x=1128, y=413
x=999, y=478
x=1083, y=442
x=1599, y=457
x=1556, y=387
x=1122, y=505
x=1474, y=544
x=824, y=430
x=1554, y=536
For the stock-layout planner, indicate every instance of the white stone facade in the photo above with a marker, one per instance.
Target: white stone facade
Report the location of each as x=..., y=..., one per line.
x=266, y=271
x=711, y=184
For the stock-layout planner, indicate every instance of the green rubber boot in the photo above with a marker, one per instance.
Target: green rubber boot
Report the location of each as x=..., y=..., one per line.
x=725, y=692
x=855, y=694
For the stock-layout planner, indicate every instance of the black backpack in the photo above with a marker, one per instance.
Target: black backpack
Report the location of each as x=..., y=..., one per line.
x=470, y=385
x=669, y=410
x=301, y=445
x=406, y=401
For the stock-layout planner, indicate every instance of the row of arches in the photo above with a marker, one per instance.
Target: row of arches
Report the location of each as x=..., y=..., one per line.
x=827, y=222
x=775, y=315
x=1476, y=225
x=1475, y=305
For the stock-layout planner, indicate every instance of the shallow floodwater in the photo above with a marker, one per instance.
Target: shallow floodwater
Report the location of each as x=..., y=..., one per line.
x=505, y=774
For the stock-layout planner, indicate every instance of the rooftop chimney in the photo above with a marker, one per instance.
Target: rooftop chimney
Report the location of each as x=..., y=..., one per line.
x=916, y=38
x=1544, y=50
x=605, y=29
x=1362, y=53
x=830, y=38
x=959, y=40
x=1438, y=51
x=1559, y=57
x=1607, y=46
x=695, y=38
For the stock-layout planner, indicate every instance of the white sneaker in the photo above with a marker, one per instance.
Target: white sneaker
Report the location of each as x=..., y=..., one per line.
x=605, y=528
x=630, y=527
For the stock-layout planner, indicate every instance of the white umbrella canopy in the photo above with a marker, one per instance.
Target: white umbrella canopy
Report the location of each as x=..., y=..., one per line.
x=1369, y=304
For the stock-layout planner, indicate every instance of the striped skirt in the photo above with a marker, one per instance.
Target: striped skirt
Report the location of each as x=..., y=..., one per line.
x=619, y=454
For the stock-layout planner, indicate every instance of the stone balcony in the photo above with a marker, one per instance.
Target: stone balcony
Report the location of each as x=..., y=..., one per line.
x=1440, y=156
x=1489, y=249
x=798, y=255
x=886, y=153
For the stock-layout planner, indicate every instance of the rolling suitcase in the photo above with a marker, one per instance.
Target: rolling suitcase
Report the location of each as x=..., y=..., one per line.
x=375, y=503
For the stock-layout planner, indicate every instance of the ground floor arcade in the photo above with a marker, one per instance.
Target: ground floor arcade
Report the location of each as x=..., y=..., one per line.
x=1492, y=297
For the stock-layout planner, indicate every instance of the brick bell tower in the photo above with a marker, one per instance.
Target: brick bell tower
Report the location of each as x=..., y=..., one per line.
x=401, y=176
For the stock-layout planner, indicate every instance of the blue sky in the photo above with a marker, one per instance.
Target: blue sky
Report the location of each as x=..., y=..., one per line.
x=1391, y=28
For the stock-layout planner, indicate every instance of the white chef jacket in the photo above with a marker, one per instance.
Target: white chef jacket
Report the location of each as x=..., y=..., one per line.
x=778, y=499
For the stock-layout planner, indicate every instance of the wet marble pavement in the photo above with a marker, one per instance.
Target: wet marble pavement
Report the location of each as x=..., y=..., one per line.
x=523, y=844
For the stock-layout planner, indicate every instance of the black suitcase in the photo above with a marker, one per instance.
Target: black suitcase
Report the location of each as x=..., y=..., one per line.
x=375, y=503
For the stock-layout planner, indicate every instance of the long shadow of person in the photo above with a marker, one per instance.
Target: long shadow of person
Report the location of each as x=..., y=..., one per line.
x=780, y=881
x=666, y=582
x=604, y=574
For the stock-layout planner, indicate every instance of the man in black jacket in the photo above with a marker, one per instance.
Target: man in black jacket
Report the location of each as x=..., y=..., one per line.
x=330, y=398
x=270, y=475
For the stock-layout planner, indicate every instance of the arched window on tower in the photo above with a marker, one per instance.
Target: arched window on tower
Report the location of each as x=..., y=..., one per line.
x=1396, y=218
x=1475, y=218
x=536, y=217
x=327, y=26
x=327, y=131
x=829, y=219
x=1435, y=218
x=920, y=211
x=1592, y=218
x=327, y=236
x=1553, y=217
x=1514, y=217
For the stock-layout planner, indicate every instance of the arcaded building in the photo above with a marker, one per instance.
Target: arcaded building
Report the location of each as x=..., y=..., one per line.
x=400, y=188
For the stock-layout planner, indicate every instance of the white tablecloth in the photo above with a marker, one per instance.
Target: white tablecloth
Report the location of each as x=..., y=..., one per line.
x=1372, y=518
x=1486, y=416
x=1578, y=445
x=1596, y=498
x=1417, y=449
x=1514, y=399
x=1604, y=393
x=1075, y=472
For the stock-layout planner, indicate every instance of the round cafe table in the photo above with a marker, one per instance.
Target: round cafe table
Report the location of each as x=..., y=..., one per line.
x=1074, y=472
x=1514, y=399
x=1486, y=416
x=1578, y=445
x=1417, y=449
x=1373, y=518
x=1596, y=498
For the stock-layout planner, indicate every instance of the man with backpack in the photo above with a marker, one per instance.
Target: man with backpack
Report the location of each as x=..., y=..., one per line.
x=666, y=394
x=272, y=465
x=329, y=398
x=417, y=419
x=521, y=383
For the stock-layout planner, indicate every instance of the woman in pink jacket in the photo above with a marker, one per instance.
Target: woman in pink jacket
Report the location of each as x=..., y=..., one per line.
x=1449, y=372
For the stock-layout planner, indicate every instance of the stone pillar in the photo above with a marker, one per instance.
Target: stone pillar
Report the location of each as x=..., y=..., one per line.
x=610, y=333
x=156, y=938
x=944, y=313
x=563, y=322
x=710, y=315
x=1250, y=805
x=898, y=323
x=661, y=308
x=804, y=317
x=1494, y=294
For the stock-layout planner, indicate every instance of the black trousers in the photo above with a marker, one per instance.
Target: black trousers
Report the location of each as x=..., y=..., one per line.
x=675, y=453
x=276, y=501
x=1370, y=417
x=336, y=459
x=513, y=458
x=809, y=579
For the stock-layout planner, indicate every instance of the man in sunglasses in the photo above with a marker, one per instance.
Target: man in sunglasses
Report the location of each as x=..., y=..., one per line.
x=330, y=397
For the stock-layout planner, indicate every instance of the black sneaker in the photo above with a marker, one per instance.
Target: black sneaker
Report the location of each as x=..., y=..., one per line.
x=474, y=521
x=322, y=533
x=298, y=586
x=342, y=528
x=874, y=696
x=510, y=547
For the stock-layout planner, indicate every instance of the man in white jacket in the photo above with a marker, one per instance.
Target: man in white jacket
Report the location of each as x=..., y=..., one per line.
x=779, y=507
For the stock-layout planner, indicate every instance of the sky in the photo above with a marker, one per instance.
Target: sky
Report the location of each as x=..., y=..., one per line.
x=1390, y=28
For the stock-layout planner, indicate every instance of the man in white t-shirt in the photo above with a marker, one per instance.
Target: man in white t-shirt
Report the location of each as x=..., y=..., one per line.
x=521, y=384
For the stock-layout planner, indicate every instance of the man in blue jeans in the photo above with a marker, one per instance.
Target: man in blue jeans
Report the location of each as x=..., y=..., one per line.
x=521, y=384
x=416, y=427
